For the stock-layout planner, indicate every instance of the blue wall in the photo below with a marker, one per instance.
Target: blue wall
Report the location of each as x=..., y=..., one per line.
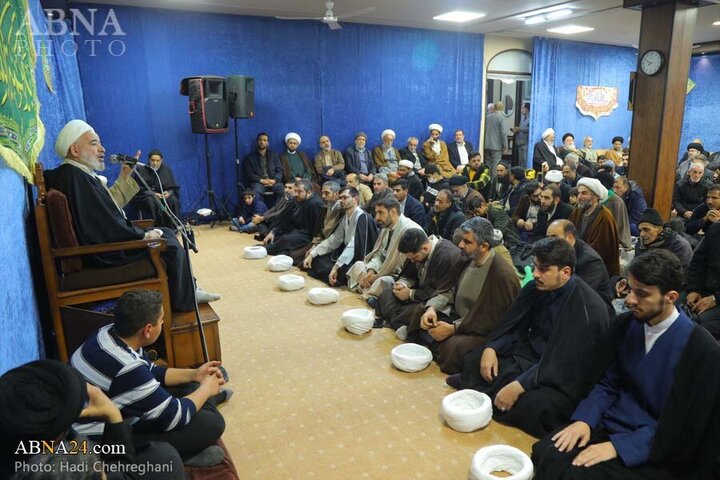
x=701, y=104
x=20, y=337
x=308, y=79
x=559, y=66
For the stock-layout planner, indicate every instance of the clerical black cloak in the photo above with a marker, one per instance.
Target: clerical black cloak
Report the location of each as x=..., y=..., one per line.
x=577, y=352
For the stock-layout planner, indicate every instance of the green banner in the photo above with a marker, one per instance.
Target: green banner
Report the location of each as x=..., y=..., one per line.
x=21, y=131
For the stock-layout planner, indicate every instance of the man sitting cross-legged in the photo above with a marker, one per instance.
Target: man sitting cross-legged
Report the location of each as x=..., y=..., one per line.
x=462, y=318
x=433, y=266
x=300, y=229
x=113, y=360
x=654, y=413
x=367, y=276
x=351, y=241
x=549, y=350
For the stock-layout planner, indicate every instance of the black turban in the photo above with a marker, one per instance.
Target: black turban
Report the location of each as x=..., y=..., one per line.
x=697, y=146
x=618, y=139
x=155, y=152
x=40, y=400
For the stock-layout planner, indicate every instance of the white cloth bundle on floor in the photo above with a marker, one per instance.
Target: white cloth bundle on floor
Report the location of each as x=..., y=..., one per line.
x=255, y=252
x=323, y=296
x=466, y=410
x=500, y=458
x=280, y=263
x=358, y=320
x=288, y=283
x=410, y=357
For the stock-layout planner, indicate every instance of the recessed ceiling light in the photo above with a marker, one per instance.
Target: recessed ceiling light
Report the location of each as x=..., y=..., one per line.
x=570, y=29
x=459, y=16
x=559, y=14
x=717, y=24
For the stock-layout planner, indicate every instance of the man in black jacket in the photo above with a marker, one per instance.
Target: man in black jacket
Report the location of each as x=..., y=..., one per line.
x=262, y=170
x=655, y=411
x=459, y=150
x=409, y=205
x=444, y=217
x=690, y=192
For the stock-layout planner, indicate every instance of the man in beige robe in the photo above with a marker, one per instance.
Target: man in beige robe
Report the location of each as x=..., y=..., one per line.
x=367, y=276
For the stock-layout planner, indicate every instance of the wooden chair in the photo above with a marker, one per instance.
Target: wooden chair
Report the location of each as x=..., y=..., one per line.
x=69, y=282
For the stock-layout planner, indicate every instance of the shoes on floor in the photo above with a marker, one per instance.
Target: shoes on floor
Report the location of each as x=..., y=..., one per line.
x=372, y=302
x=224, y=395
x=206, y=297
x=455, y=381
x=401, y=333
x=209, y=457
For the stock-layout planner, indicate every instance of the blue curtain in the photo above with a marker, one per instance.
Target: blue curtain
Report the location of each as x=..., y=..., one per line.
x=559, y=66
x=700, y=120
x=308, y=79
x=19, y=315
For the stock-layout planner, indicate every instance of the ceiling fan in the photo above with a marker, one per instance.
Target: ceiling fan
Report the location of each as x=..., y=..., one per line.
x=330, y=19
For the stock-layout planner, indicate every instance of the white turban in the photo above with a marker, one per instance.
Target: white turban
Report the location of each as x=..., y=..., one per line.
x=435, y=126
x=406, y=163
x=554, y=176
x=69, y=134
x=387, y=132
x=293, y=135
x=594, y=185
x=548, y=131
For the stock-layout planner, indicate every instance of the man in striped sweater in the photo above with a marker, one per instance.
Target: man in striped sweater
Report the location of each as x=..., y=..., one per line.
x=113, y=360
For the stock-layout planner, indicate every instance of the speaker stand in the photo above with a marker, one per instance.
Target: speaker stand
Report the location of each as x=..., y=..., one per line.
x=220, y=213
x=238, y=172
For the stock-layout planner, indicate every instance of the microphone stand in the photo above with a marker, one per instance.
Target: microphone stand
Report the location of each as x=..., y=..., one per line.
x=188, y=242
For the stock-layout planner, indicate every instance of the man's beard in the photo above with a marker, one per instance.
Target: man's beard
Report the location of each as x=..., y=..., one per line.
x=504, y=179
x=648, y=315
x=584, y=205
x=95, y=163
x=472, y=256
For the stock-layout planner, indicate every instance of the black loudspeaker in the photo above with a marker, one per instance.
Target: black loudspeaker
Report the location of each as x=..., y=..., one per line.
x=207, y=103
x=241, y=96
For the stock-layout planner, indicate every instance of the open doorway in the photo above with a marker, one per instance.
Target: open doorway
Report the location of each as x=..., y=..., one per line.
x=508, y=80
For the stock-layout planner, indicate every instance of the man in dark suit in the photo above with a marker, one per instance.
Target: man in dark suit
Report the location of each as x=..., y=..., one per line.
x=263, y=171
x=551, y=209
x=409, y=205
x=459, y=150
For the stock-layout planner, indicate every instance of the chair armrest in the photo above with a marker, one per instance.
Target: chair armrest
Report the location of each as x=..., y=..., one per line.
x=144, y=223
x=109, y=247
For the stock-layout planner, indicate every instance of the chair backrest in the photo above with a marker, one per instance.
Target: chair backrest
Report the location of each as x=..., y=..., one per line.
x=54, y=222
x=61, y=228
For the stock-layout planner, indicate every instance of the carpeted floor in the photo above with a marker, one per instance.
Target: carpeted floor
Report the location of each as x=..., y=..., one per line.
x=313, y=401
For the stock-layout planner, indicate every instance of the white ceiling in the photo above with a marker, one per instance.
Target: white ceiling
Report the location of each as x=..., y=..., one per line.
x=612, y=24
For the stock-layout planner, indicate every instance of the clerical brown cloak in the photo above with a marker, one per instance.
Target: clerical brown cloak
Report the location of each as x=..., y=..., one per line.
x=602, y=236
x=499, y=290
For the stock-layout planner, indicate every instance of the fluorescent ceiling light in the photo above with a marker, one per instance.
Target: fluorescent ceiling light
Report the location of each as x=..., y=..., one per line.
x=459, y=16
x=535, y=20
x=544, y=10
x=570, y=29
x=559, y=14
x=717, y=24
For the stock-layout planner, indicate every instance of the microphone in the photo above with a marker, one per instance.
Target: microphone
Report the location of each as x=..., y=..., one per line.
x=125, y=159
